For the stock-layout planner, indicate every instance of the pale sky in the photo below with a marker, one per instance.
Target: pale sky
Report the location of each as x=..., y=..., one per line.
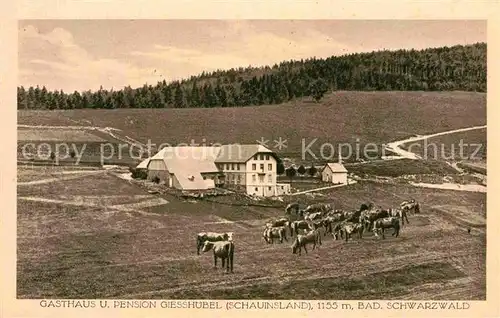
x=85, y=54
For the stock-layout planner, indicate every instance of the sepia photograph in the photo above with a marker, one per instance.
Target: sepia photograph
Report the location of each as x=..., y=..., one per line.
x=251, y=159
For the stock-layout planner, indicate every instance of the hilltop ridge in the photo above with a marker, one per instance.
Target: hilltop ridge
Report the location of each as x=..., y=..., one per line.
x=453, y=68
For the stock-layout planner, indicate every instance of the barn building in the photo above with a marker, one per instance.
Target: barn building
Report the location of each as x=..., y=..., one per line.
x=247, y=168
x=334, y=173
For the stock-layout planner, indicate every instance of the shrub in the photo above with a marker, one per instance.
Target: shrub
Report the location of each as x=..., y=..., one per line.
x=312, y=171
x=138, y=173
x=156, y=180
x=301, y=170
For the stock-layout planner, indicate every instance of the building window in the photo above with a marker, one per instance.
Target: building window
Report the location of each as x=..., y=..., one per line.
x=256, y=189
x=232, y=166
x=270, y=179
x=282, y=187
x=261, y=157
x=262, y=167
x=267, y=157
x=256, y=157
x=270, y=167
x=238, y=166
x=261, y=179
x=269, y=188
x=254, y=178
x=227, y=166
x=254, y=166
x=238, y=179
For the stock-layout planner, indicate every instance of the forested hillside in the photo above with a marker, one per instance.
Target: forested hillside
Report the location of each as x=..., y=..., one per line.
x=437, y=69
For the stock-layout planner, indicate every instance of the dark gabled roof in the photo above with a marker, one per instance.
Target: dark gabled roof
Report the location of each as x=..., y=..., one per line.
x=237, y=153
x=336, y=167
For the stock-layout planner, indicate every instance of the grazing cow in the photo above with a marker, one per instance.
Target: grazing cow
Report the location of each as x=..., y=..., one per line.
x=202, y=237
x=292, y=206
x=319, y=207
x=332, y=219
x=337, y=232
x=334, y=213
x=401, y=214
x=348, y=228
x=410, y=205
x=300, y=214
x=367, y=217
x=280, y=222
x=352, y=216
x=366, y=206
x=313, y=216
x=223, y=250
x=385, y=223
x=316, y=224
x=270, y=233
x=311, y=237
x=297, y=225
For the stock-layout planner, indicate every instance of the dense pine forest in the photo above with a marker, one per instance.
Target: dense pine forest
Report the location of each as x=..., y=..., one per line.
x=437, y=69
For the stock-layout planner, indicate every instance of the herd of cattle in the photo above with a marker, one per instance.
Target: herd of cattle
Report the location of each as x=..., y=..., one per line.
x=307, y=224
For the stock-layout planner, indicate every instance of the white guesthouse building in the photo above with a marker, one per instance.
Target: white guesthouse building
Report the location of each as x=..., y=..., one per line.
x=247, y=168
x=334, y=173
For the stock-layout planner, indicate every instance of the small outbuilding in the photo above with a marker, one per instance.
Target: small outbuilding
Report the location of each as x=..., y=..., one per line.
x=334, y=173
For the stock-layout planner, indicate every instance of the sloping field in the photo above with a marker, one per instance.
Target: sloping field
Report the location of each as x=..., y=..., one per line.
x=342, y=117
x=396, y=168
x=68, y=135
x=88, y=146
x=68, y=251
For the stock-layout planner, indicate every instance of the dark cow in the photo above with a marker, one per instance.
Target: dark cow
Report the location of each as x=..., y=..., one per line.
x=223, y=250
x=367, y=217
x=410, y=206
x=366, y=206
x=271, y=233
x=348, y=228
x=302, y=240
x=401, y=214
x=385, y=223
x=300, y=225
x=202, y=237
x=291, y=207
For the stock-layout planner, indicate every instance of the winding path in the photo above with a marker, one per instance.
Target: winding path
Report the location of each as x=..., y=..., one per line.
x=395, y=146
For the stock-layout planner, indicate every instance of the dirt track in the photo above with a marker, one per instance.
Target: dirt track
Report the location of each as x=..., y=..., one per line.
x=103, y=251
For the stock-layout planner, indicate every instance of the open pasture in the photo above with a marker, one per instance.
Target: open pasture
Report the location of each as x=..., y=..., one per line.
x=130, y=244
x=88, y=146
x=401, y=167
x=356, y=118
x=469, y=145
x=62, y=135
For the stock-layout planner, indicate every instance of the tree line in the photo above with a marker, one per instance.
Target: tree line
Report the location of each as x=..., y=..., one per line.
x=436, y=69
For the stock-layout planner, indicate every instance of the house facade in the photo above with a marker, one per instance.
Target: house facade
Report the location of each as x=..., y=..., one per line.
x=248, y=168
x=251, y=169
x=334, y=173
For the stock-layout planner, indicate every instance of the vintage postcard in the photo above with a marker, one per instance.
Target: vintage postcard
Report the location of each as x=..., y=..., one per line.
x=252, y=166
